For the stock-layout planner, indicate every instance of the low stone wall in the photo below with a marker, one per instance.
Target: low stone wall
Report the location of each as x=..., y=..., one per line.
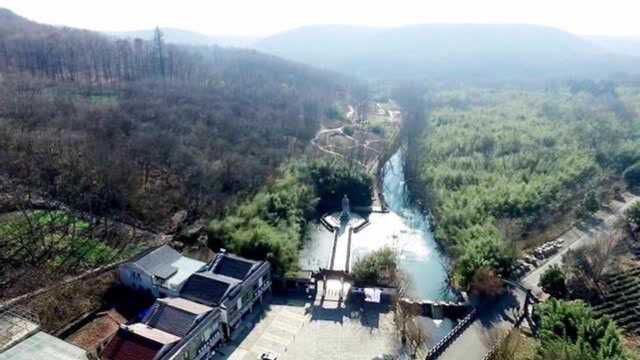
x=89, y=274
x=370, y=209
x=57, y=320
x=326, y=224
x=361, y=226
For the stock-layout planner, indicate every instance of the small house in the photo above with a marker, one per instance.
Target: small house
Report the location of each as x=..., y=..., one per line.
x=160, y=272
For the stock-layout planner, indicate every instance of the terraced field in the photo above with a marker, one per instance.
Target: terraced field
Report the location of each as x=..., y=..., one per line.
x=622, y=301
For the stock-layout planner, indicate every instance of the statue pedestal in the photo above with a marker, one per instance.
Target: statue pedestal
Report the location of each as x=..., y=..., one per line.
x=344, y=217
x=346, y=211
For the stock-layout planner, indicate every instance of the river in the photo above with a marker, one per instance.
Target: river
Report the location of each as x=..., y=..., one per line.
x=405, y=228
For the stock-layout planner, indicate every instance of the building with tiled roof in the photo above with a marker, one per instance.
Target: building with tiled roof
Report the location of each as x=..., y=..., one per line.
x=209, y=288
x=233, y=266
x=160, y=272
x=138, y=342
x=210, y=305
x=175, y=329
x=176, y=316
x=232, y=283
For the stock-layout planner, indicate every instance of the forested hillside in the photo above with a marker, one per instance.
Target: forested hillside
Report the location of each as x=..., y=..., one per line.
x=141, y=129
x=498, y=165
x=450, y=53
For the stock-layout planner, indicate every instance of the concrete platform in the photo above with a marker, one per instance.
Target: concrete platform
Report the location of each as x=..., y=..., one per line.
x=14, y=329
x=43, y=346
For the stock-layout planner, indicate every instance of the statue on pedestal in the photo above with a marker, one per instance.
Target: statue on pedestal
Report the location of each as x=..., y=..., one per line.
x=346, y=211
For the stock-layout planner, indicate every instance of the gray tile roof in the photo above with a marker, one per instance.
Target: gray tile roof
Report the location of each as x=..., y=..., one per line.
x=207, y=288
x=158, y=262
x=233, y=266
x=172, y=320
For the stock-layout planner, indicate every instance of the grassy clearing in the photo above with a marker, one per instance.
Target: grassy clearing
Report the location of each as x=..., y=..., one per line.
x=56, y=242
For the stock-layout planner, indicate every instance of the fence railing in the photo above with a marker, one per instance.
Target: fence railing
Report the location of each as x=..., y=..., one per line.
x=437, y=349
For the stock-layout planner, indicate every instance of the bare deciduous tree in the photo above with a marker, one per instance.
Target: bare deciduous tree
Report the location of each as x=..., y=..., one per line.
x=405, y=317
x=586, y=265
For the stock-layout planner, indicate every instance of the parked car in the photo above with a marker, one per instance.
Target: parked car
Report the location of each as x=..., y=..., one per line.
x=268, y=356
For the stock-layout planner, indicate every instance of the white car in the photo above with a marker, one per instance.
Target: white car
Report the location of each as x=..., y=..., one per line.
x=268, y=356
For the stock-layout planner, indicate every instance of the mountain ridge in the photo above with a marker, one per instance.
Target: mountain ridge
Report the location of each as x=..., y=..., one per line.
x=448, y=51
x=629, y=45
x=187, y=37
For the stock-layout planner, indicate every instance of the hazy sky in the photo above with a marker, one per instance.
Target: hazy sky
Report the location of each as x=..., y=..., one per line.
x=265, y=17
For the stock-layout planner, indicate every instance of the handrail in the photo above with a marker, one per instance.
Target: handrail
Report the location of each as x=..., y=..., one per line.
x=436, y=350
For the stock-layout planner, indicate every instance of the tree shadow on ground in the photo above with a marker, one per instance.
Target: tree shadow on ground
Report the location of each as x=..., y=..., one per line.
x=368, y=314
x=493, y=311
x=589, y=225
x=129, y=303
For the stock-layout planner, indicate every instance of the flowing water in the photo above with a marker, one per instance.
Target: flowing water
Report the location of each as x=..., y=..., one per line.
x=405, y=228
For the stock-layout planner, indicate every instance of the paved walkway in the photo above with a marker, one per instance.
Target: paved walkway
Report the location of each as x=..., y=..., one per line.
x=342, y=250
x=300, y=329
x=273, y=333
x=476, y=341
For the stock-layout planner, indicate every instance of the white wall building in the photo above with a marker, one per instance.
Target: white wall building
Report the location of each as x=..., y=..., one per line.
x=160, y=272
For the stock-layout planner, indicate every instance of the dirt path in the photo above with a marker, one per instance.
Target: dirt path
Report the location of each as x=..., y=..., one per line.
x=340, y=132
x=365, y=144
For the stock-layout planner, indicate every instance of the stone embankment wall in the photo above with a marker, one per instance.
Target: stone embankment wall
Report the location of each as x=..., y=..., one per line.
x=440, y=309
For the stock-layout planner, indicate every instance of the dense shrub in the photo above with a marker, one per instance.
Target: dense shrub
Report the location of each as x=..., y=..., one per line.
x=486, y=283
x=376, y=268
x=570, y=330
x=333, y=180
x=591, y=202
x=632, y=215
x=483, y=250
x=632, y=175
x=553, y=282
x=348, y=130
x=272, y=224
